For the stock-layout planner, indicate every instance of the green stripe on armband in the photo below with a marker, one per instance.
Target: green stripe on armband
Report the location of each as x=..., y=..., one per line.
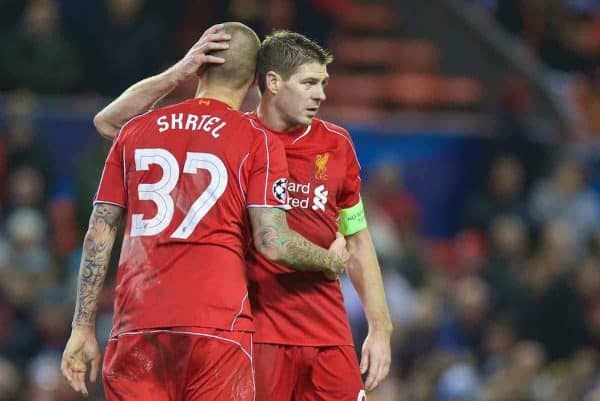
x=352, y=220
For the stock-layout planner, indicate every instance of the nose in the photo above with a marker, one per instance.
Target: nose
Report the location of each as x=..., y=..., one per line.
x=319, y=93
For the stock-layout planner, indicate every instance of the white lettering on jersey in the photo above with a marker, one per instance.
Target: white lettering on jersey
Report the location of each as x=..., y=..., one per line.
x=210, y=123
x=191, y=121
x=157, y=192
x=162, y=124
x=300, y=196
x=320, y=198
x=160, y=192
x=202, y=121
x=217, y=129
x=210, y=196
x=205, y=122
x=177, y=121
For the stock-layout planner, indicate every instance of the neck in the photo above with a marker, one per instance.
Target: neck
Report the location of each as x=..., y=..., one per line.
x=233, y=98
x=270, y=116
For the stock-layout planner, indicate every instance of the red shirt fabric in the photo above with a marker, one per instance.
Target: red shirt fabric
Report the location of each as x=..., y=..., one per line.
x=186, y=174
x=304, y=308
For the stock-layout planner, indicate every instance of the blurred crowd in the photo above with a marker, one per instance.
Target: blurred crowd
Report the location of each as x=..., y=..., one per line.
x=102, y=46
x=565, y=36
x=39, y=258
x=507, y=309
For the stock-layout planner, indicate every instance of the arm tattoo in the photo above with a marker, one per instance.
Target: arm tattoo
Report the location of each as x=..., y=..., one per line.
x=271, y=233
x=97, y=247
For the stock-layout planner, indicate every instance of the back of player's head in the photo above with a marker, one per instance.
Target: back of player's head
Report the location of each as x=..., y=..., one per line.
x=284, y=51
x=240, y=58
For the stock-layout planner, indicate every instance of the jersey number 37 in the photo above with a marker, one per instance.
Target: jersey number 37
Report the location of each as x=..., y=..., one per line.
x=160, y=191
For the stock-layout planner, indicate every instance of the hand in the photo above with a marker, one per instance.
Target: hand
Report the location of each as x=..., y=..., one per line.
x=81, y=349
x=375, y=358
x=214, y=38
x=338, y=249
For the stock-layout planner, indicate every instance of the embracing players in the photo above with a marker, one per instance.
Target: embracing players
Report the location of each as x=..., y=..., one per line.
x=190, y=179
x=304, y=348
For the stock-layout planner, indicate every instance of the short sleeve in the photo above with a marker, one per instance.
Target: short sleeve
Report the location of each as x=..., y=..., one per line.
x=268, y=178
x=350, y=193
x=112, y=182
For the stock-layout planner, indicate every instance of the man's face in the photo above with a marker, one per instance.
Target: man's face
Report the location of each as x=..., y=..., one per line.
x=300, y=97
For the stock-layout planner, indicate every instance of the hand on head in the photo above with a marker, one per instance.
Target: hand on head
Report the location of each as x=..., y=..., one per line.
x=213, y=39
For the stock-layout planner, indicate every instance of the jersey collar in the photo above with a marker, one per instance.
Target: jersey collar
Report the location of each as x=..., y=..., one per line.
x=296, y=134
x=207, y=101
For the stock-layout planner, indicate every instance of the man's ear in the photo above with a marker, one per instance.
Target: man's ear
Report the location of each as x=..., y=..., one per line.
x=273, y=82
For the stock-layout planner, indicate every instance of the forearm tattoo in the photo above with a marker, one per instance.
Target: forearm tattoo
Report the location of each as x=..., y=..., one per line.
x=97, y=247
x=271, y=229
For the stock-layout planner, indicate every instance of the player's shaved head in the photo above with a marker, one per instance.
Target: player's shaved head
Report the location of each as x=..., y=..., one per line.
x=284, y=51
x=240, y=59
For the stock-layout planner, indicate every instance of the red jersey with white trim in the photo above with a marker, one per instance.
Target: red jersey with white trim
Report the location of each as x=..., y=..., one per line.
x=186, y=174
x=304, y=308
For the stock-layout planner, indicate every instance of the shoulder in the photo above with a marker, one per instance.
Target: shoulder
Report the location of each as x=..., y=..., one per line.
x=133, y=123
x=337, y=131
x=332, y=128
x=257, y=131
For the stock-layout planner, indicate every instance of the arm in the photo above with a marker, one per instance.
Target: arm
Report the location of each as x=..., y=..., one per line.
x=365, y=274
x=143, y=95
x=82, y=346
x=137, y=99
x=279, y=244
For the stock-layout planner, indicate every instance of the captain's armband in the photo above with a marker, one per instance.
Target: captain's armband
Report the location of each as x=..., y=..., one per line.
x=352, y=219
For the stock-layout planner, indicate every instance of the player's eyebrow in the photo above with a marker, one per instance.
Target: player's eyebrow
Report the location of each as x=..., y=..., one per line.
x=314, y=80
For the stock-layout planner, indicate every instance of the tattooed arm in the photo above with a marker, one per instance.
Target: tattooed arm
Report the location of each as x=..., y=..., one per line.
x=82, y=347
x=278, y=243
x=97, y=247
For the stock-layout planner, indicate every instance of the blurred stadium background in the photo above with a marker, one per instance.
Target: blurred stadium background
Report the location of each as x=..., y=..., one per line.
x=477, y=124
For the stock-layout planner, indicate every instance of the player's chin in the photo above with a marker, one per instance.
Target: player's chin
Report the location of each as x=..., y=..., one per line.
x=307, y=117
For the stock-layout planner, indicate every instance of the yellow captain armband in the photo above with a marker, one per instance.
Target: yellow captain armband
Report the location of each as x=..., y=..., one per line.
x=352, y=219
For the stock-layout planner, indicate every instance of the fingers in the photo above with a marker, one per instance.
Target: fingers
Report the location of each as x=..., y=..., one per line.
x=213, y=29
x=364, y=361
x=373, y=377
x=373, y=371
x=385, y=369
x=379, y=366
x=213, y=59
x=74, y=370
x=346, y=256
x=80, y=382
x=211, y=46
x=218, y=37
x=65, y=370
x=200, y=57
x=211, y=38
x=94, y=370
x=338, y=244
x=76, y=378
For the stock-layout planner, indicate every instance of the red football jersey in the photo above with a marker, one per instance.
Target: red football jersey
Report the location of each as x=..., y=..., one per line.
x=304, y=308
x=186, y=174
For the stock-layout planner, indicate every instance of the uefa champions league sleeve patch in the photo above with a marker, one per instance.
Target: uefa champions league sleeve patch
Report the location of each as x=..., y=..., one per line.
x=280, y=190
